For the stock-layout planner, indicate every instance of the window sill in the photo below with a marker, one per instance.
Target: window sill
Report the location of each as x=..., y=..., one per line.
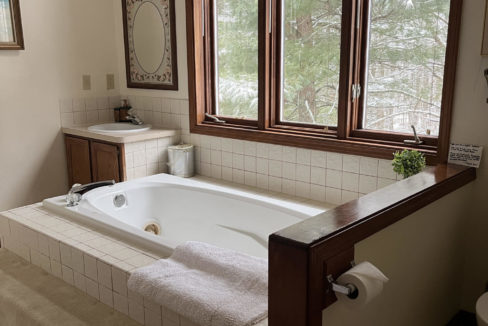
x=317, y=141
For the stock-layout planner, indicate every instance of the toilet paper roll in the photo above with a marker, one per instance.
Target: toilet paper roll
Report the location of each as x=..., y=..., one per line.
x=367, y=278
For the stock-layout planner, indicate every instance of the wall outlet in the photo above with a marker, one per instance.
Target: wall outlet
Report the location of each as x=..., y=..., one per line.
x=110, y=81
x=86, y=82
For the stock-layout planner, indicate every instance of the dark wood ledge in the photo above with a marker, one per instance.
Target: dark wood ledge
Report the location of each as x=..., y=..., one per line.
x=301, y=255
x=404, y=197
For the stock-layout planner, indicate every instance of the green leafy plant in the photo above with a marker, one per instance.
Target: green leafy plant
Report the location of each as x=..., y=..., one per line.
x=408, y=162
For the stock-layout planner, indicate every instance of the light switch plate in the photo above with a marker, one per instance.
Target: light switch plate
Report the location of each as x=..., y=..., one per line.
x=110, y=81
x=86, y=82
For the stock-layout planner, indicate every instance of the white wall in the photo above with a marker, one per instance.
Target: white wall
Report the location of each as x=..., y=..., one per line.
x=63, y=40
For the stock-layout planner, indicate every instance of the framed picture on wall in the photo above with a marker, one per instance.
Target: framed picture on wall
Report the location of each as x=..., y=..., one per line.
x=150, y=44
x=484, y=45
x=11, y=36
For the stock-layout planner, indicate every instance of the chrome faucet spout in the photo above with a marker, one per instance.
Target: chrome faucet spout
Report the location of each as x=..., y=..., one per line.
x=77, y=190
x=133, y=118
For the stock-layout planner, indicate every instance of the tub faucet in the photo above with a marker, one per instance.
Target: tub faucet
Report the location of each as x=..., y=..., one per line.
x=133, y=118
x=77, y=190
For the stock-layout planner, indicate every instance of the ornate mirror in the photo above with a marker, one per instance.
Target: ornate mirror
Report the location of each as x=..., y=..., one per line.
x=150, y=44
x=11, y=37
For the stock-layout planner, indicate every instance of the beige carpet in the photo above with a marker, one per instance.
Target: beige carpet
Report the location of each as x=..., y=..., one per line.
x=31, y=297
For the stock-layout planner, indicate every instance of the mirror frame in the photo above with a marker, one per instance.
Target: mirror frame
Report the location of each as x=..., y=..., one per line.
x=129, y=48
x=484, y=42
x=18, y=43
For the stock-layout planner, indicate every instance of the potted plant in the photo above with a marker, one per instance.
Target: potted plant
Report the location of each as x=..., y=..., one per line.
x=408, y=162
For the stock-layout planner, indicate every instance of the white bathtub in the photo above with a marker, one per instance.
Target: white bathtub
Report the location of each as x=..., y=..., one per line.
x=186, y=210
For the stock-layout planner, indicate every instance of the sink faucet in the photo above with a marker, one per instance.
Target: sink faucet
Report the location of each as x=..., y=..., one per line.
x=77, y=190
x=132, y=116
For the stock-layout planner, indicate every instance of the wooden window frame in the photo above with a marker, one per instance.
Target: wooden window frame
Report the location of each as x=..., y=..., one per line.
x=347, y=137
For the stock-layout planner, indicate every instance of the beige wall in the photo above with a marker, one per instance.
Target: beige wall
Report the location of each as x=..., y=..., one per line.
x=421, y=255
x=63, y=40
x=469, y=126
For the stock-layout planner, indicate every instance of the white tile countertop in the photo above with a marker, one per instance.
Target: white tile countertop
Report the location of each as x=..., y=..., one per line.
x=120, y=138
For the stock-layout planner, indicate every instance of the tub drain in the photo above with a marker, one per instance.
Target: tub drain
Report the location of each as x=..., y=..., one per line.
x=153, y=228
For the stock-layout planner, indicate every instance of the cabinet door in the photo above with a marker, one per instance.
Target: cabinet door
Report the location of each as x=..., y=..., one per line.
x=105, y=162
x=78, y=157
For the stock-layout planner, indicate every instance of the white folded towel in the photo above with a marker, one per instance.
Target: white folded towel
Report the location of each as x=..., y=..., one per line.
x=209, y=285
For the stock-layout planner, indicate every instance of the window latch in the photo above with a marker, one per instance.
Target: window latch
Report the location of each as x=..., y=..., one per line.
x=270, y=17
x=356, y=91
x=203, y=18
x=415, y=141
x=214, y=118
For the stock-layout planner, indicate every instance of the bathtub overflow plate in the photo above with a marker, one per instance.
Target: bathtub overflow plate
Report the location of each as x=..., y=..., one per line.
x=119, y=200
x=153, y=228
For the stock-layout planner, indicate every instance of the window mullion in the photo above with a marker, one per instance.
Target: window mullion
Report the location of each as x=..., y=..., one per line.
x=360, y=62
x=225, y=30
x=265, y=32
x=273, y=35
x=209, y=53
x=347, y=75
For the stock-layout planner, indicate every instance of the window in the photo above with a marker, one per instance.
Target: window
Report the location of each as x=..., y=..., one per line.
x=405, y=65
x=6, y=33
x=350, y=76
x=311, y=45
x=236, y=58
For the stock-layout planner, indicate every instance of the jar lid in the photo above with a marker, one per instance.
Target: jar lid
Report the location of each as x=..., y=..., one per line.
x=181, y=147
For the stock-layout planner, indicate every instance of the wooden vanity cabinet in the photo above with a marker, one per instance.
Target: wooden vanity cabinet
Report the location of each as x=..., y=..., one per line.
x=105, y=162
x=92, y=160
x=78, y=157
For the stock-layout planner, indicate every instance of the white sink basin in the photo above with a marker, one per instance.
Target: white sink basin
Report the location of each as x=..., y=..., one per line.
x=119, y=128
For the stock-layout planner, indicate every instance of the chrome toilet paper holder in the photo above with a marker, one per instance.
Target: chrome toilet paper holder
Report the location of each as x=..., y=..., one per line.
x=347, y=289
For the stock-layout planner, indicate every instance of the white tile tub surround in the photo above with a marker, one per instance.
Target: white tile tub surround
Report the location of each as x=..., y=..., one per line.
x=311, y=174
x=322, y=176
x=148, y=157
x=162, y=112
x=90, y=110
x=95, y=263
x=157, y=111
